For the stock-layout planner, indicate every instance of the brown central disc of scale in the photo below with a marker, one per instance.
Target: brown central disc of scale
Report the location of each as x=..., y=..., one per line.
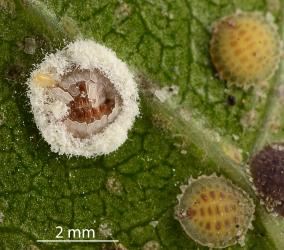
x=92, y=100
x=82, y=110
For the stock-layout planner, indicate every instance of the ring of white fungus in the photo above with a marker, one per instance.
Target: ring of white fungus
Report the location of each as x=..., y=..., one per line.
x=84, y=99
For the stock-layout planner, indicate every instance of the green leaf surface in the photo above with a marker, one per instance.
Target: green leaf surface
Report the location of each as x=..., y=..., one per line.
x=130, y=195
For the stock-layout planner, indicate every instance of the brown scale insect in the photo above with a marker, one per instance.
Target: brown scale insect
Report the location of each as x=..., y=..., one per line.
x=267, y=171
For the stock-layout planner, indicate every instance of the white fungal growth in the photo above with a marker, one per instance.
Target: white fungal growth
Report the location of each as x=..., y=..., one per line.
x=84, y=99
x=105, y=230
x=165, y=93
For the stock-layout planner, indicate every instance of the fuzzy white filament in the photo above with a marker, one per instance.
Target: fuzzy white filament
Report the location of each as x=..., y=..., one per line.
x=104, y=76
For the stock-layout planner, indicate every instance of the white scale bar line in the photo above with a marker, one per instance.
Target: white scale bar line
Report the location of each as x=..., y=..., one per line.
x=69, y=241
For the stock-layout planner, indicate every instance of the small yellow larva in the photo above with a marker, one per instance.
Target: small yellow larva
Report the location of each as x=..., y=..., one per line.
x=44, y=80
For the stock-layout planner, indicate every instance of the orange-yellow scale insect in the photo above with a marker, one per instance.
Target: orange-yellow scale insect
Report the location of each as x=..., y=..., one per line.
x=245, y=48
x=214, y=212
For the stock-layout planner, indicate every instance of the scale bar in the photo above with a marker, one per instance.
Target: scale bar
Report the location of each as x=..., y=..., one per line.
x=78, y=241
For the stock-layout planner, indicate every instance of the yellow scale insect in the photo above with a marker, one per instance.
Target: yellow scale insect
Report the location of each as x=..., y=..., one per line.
x=245, y=48
x=214, y=212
